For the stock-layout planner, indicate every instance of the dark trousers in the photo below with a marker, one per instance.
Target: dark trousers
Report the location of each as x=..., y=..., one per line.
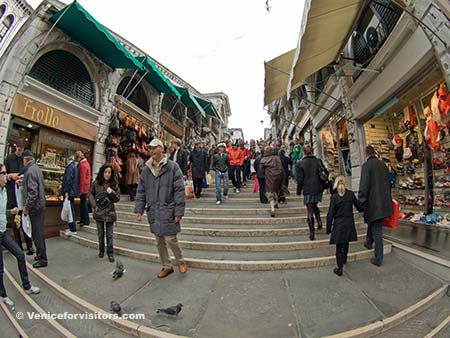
x=245, y=170
x=72, y=225
x=9, y=244
x=375, y=234
x=198, y=183
x=235, y=174
x=262, y=190
x=109, y=237
x=84, y=210
x=132, y=188
x=37, y=233
x=18, y=233
x=341, y=254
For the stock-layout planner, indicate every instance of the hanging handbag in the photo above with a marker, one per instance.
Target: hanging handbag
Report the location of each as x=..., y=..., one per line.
x=323, y=175
x=102, y=200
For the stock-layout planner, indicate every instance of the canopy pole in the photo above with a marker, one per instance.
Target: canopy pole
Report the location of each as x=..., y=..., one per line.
x=53, y=26
x=129, y=82
x=137, y=84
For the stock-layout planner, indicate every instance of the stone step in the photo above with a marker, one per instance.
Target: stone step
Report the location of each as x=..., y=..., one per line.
x=234, y=230
x=231, y=260
x=57, y=299
x=10, y=326
x=32, y=328
x=141, y=237
x=51, y=302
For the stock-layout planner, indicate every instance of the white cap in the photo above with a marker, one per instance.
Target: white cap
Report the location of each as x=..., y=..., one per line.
x=221, y=145
x=156, y=143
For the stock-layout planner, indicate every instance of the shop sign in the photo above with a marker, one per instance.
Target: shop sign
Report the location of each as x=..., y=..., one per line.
x=33, y=110
x=170, y=124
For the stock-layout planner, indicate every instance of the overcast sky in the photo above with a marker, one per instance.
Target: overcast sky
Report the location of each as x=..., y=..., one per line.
x=214, y=45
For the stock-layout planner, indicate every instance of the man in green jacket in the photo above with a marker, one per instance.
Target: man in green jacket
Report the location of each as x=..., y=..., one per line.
x=296, y=156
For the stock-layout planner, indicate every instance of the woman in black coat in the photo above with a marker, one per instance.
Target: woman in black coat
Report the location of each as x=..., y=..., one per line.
x=308, y=180
x=340, y=221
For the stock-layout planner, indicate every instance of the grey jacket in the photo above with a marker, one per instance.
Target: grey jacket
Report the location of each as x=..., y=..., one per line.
x=33, y=189
x=221, y=162
x=163, y=198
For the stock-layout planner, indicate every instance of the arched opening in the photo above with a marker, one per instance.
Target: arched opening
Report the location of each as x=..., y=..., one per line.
x=64, y=72
x=6, y=25
x=171, y=106
x=138, y=95
x=2, y=10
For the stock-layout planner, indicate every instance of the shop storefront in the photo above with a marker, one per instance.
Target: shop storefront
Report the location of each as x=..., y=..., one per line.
x=52, y=135
x=410, y=133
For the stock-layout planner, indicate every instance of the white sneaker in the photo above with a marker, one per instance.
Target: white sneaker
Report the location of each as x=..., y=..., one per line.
x=226, y=197
x=8, y=301
x=34, y=290
x=237, y=190
x=69, y=233
x=218, y=202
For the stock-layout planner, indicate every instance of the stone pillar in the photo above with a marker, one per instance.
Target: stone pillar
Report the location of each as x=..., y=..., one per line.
x=433, y=17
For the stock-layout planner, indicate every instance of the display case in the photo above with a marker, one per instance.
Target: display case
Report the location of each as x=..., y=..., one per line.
x=441, y=177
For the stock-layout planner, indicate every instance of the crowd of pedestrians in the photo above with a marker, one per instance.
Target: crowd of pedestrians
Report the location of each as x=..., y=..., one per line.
x=157, y=185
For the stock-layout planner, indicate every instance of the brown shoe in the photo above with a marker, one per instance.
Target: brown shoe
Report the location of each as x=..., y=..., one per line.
x=165, y=272
x=182, y=267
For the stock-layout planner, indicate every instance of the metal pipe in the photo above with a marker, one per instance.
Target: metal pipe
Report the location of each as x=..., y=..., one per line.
x=137, y=84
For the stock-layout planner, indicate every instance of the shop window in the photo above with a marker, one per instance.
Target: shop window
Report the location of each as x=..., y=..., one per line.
x=64, y=72
x=171, y=105
x=376, y=23
x=6, y=25
x=137, y=96
x=2, y=10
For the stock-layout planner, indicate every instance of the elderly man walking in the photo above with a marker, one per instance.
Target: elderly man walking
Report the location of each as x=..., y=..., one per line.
x=375, y=196
x=34, y=206
x=161, y=193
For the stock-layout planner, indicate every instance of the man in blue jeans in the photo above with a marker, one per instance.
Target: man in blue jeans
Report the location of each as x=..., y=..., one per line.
x=220, y=165
x=9, y=244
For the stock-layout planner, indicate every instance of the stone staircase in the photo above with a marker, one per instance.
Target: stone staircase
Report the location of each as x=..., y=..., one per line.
x=250, y=276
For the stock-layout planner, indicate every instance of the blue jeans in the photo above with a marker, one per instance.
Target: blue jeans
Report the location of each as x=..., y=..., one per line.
x=221, y=177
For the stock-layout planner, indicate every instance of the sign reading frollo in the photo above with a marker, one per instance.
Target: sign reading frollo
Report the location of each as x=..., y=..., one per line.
x=45, y=115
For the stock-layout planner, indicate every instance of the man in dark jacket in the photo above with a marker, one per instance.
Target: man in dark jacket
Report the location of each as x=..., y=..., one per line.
x=260, y=174
x=14, y=165
x=34, y=205
x=220, y=165
x=375, y=196
x=161, y=193
x=179, y=156
x=70, y=189
x=199, y=162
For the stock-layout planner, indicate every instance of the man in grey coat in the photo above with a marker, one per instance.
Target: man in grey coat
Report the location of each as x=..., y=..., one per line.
x=34, y=205
x=161, y=193
x=375, y=196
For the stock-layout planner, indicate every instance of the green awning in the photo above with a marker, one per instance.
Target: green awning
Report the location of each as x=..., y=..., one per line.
x=158, y=79
x=209, y=108
x=189, y=100
x=76, y=22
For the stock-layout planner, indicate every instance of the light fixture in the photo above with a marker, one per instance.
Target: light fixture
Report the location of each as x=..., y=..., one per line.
x=29, y=125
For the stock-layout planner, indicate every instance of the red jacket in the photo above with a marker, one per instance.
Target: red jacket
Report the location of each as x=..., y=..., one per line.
x=84, y=176
x=236, y=156
x=247, y=154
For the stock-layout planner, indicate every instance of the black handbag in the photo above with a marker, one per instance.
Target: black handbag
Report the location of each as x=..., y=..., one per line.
x=323, y=175
x=102, y=200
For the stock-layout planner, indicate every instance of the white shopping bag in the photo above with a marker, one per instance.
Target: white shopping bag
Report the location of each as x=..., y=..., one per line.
x=26, y=225
x=66, y=212
x=19, y=198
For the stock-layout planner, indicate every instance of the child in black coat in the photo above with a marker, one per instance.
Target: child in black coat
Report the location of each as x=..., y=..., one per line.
x=340, y=222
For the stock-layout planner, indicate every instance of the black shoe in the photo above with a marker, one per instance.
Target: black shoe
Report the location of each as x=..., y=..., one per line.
x=367, y=246
x=111, y=259
x=338, y=271
x=30, y=252
x=101, y=255
x=36, y=258
x=375, y=262
x=39, y=264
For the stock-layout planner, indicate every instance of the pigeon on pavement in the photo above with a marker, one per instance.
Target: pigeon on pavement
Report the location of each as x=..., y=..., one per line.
x=172, y=311
x=118, y=271
x=115, y=307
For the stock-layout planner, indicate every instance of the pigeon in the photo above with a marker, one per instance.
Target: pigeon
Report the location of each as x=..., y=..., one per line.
x=119, y=270
x=172, y=311
x=115, y=307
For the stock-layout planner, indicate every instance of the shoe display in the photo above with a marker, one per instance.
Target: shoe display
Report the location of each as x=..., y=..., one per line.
x=165, y=272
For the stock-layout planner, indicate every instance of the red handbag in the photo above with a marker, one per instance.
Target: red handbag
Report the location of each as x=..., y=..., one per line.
x=392, y=221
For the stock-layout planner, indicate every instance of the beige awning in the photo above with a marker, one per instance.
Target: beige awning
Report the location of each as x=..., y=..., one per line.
x=276, y=78
x=325, y=29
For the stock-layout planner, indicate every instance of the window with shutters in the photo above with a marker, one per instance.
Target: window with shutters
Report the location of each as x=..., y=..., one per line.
x=64, y=72
x=133, y=93
x=5, y=26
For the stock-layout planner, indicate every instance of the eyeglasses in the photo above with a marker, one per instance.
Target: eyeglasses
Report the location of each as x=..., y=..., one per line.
x=2, y=172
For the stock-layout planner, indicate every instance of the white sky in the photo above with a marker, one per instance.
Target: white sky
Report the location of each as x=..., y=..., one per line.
x=214, y=45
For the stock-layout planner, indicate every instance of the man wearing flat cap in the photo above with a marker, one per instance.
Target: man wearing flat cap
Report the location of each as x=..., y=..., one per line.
x=34, y=205
x=161, y=193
